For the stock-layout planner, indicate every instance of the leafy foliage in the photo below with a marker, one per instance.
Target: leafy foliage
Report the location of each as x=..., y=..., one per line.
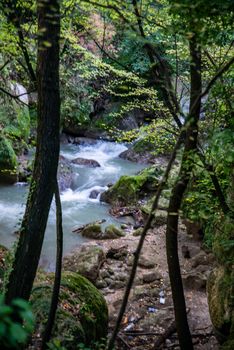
x=14, y=334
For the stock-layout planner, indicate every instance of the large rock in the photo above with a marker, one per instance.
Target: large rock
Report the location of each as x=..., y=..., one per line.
x=111, y=231
x=65, y=173
x=220, y=291
x=129, y=189
x=82, y=314
x=92, y=231
x=90, y=163
x=8, y=162
x=86, y=261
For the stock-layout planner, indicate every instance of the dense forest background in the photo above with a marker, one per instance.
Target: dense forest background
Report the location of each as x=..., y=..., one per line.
x=158, y=77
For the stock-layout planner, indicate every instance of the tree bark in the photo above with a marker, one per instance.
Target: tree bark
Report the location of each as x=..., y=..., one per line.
x=177, y=196
x=47, y=153
x=58, y=271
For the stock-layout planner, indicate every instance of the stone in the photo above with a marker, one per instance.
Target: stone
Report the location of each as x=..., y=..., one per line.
x=151, y=277
x=90, y=163
x=195, y=280
x=86, y=261
x=92, y=231
x=129, y=189
x=137, y=232
x=82, y=314
x=100, y=284
x=146, y=262
x=111, y=231
x=220, y=301
x=202, y=259
x=65, y=173
x=118, y=253
x=94, y=194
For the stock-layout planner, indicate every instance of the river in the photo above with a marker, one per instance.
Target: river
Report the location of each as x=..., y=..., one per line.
x=78, y=208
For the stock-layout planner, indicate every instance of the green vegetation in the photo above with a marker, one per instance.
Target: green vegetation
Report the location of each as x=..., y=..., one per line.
x=82, y=314
x=146, y=73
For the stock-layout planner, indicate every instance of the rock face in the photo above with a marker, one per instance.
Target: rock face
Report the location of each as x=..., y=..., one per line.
x=220, y=288
x=90, y=163
x=129, y=189
x=82, y=315
x=86, y=261
x=8, y=162
x=65, y=173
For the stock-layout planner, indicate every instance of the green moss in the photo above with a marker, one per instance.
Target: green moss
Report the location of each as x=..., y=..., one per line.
x=223, y=244
x=220, y=286
x=82, y=315
x=92, y=231
x=111, y=231
x=129, y=189
x=8, y=160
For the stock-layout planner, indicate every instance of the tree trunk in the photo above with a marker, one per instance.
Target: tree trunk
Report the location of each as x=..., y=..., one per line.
x=58, y=271
x=47, y=153
x=177, y=196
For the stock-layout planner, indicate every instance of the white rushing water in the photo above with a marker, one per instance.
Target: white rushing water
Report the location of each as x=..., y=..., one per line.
x=78, y=208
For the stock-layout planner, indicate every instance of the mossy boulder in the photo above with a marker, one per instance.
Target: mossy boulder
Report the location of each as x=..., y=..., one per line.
x=129, y=189
x=111, y=232
x=8, y=162
x=82, y=314
x=92, y=231
x=220, y=288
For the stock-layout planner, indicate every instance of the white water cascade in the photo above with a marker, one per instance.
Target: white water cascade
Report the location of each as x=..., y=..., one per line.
x=78, y=208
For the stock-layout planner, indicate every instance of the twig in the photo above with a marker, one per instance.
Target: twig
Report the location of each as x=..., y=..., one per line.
x=123, y=341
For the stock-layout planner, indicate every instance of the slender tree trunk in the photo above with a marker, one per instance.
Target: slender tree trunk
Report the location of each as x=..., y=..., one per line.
x=58, y=271
x=177, y=196
x=46, y=160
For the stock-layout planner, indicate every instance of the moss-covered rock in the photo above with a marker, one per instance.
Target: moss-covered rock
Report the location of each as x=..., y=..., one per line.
x=82, y=315
x=8, y=161
x=111, y=231
x=129, y=189
x=220, y=288
x=92, y=231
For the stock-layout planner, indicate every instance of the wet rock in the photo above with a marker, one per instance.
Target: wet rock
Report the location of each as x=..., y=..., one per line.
x=90, y=163
x=151, y=277
x=86, y=261
x=65, y=173
x=92, y=231
x=129, y=189
x=94, y=194
x=146, y=262
x=112, y=231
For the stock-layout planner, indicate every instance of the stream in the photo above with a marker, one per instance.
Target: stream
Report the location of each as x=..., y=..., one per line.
x=78, y=208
